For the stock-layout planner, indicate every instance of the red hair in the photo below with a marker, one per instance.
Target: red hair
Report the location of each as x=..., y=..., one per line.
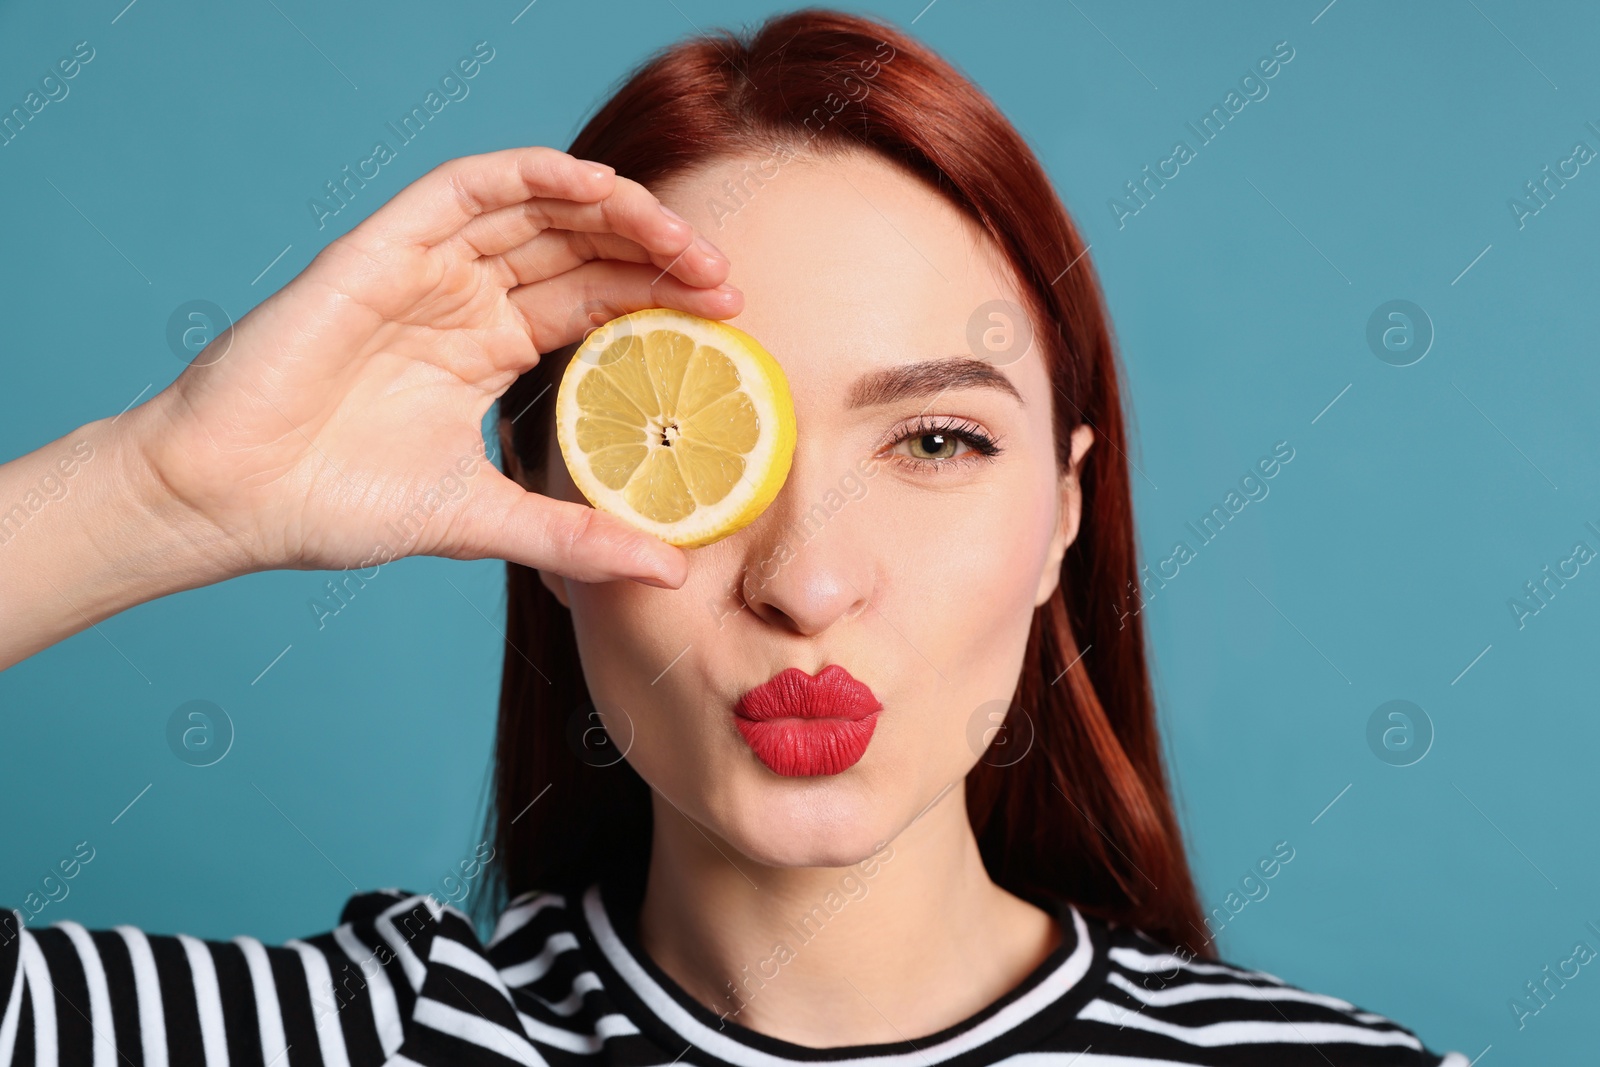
x=1087, y=813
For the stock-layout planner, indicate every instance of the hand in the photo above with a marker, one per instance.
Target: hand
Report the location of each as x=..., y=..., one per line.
x=347, y=396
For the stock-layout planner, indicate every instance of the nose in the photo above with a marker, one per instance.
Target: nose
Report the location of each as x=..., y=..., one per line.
x=806, y=563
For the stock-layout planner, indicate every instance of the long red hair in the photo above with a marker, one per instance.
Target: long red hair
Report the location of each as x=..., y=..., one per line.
x=1087, y=814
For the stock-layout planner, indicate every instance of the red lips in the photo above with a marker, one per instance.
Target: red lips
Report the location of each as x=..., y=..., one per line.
x=800, y=726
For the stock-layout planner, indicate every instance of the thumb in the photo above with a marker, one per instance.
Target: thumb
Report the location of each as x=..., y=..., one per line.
x=573, y=540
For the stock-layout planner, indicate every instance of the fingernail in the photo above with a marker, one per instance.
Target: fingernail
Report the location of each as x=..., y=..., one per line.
x=604, y=168
x=709, y=249
x=673, y=215
x=650, y=579
x=727, y=287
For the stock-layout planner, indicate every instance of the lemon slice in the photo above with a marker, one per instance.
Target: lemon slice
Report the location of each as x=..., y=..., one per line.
x=684, y=426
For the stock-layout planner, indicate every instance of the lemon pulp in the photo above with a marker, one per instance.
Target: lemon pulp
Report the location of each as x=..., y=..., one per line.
x=682, y=425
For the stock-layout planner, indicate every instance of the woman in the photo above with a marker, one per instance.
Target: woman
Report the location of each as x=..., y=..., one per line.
x=953, y=549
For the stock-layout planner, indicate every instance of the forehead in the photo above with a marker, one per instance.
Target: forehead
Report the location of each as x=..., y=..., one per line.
x=847, y=262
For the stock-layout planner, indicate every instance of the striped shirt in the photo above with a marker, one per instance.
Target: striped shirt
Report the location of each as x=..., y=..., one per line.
x=404, y=980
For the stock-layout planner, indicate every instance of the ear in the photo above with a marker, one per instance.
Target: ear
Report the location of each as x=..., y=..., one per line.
x=553, y=582
x=1070, y=514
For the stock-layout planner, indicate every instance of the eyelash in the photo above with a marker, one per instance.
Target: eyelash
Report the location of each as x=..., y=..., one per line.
x=983, y=447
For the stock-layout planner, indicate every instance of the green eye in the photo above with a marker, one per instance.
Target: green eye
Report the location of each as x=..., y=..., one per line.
x=935, y=442
x=934, y=445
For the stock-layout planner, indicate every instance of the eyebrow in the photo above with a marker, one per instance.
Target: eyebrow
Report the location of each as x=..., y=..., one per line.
x=927, y=378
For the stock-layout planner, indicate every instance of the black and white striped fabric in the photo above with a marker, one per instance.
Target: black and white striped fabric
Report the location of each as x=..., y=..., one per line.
x=404, y=980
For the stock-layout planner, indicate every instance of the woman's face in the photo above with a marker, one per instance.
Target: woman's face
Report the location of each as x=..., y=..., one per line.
x=914, y=563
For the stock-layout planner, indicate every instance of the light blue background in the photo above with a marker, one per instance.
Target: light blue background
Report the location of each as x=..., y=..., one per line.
x=1378, y=168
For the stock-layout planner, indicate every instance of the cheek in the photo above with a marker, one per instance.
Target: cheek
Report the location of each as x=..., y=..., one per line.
x=964, y=570
x=976, y=555
x=631, y=631
x=964, y=573
x=619, y=635
x=620, y=630
x=644, y=650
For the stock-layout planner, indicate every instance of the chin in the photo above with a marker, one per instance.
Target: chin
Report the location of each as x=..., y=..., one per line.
x=808, y=822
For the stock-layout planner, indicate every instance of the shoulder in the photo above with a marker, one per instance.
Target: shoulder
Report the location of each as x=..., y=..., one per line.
x=535, y=924
x=1169, y=1006
x=383, y=923
x=381, y=912
x=417, y=930
x=349, y=990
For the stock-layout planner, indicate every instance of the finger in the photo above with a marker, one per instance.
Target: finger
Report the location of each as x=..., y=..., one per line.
x=437, y=205
x=557, y=251
x=631, y=211
x=612, y=289
x=573, y=540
